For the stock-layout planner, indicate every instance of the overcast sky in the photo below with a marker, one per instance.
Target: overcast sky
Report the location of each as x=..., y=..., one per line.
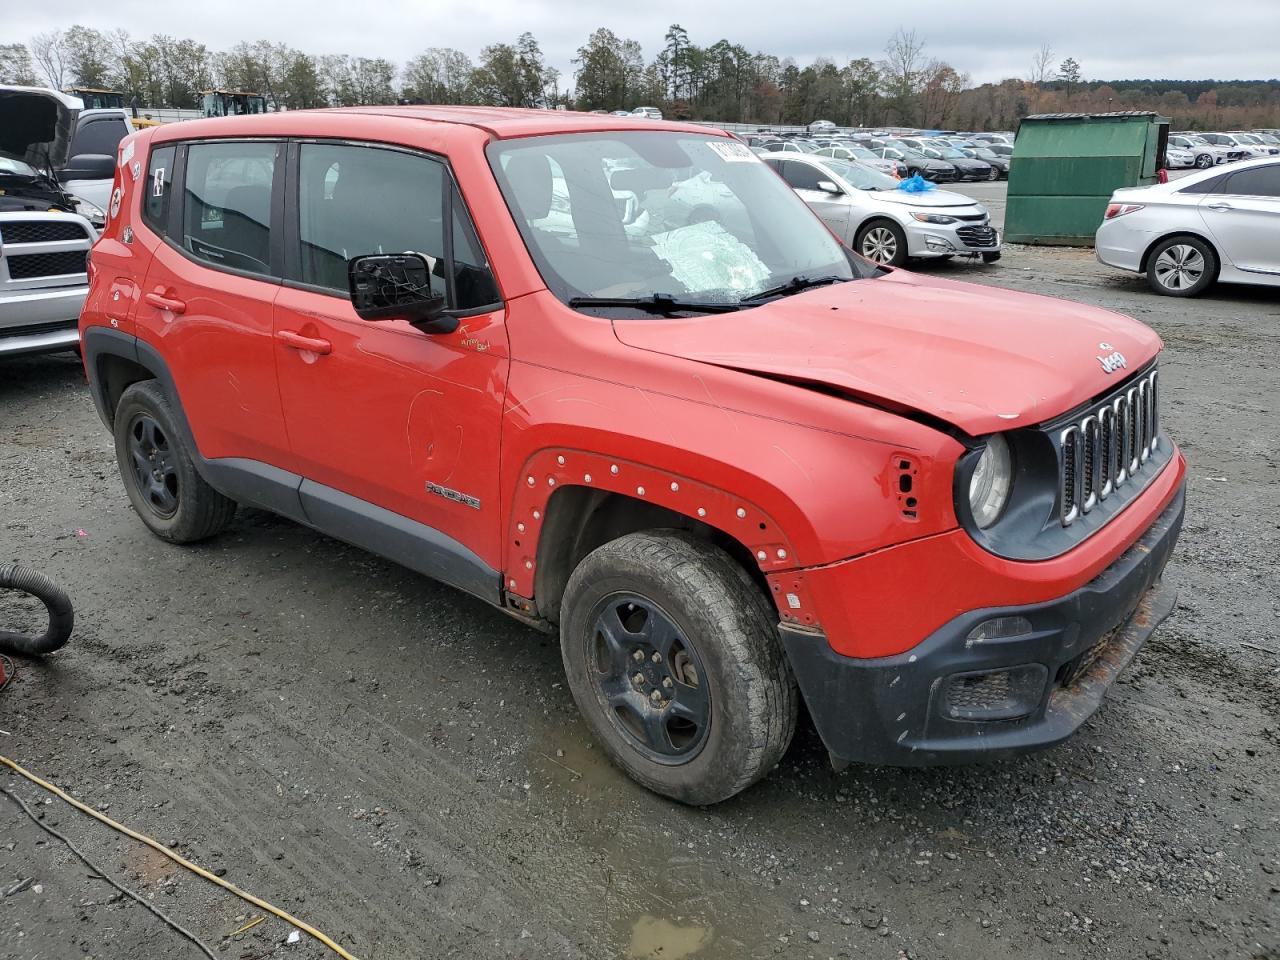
x=1180, y=39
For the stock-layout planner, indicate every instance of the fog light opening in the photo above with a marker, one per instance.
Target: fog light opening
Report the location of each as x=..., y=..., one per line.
x=998, y=628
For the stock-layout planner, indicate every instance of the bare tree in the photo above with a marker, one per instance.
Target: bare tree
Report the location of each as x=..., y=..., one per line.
x=50, y=54
x=1042, y=70
x=903, y=72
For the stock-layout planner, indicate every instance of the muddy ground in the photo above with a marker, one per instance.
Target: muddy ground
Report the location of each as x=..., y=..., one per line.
x=402, y=767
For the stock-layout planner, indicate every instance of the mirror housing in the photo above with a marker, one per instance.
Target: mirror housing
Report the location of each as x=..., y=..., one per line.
x=89, y=166
x=828, y=186
x=397, y=286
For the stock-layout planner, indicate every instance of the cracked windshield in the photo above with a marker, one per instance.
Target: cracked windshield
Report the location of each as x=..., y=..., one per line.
x=638, y=216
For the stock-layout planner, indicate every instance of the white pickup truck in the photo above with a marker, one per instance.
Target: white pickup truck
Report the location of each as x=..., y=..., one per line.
x=44, y=238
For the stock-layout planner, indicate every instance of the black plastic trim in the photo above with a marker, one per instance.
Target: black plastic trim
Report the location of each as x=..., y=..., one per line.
x=887, y=709
x=337, y=514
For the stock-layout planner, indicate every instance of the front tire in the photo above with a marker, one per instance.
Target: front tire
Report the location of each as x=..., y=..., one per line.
x=883, y=242
x=166, y=491
x=994, y=174
x=1181, y=267
x=672, y=655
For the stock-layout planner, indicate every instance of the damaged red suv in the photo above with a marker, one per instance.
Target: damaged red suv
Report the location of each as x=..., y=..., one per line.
x=613, y=377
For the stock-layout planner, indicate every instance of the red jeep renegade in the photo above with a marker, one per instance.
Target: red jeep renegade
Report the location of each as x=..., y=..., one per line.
x=613, y=377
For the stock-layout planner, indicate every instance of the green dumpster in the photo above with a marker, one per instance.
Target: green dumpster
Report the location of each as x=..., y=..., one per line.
x=1065, y=166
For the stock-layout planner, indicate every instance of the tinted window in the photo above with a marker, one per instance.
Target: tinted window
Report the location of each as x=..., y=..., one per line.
x=1256, y=182
x=227, y=214
x=158, y=186
x=99, y=135
x=1210, y=185
x=801, y=176
x=355, y=200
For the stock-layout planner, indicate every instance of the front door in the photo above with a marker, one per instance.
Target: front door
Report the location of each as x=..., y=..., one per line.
x=833, y=208
x=379, y=412
x=1244, y=218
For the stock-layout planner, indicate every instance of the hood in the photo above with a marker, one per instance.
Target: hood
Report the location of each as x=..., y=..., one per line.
x=36, y=125
x=930, y=198
x=981, y=358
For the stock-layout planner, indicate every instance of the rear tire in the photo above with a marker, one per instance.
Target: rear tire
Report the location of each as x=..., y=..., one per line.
x=716, y=710
x=1181, y=266
x=1204, y=161
x=883, y=242
x=159, y=476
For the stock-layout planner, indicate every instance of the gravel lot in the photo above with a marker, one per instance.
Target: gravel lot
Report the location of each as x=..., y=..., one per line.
x=402, y=767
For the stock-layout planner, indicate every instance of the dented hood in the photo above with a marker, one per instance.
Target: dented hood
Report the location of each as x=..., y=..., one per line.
x=980, y=358
x=36, y=125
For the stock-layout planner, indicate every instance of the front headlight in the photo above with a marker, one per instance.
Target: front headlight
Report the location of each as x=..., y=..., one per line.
x=91, y=212
x=933, y=218
x=991, y=482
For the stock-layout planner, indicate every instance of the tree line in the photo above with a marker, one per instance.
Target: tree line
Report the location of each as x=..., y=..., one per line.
x=726, y=82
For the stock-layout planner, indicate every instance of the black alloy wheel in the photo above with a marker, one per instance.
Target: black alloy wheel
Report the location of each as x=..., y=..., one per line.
x=649, y=678
x=154, y=468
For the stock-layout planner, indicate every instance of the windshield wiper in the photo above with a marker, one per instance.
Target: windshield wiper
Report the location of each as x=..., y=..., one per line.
x=794, y=285
x=657, y=303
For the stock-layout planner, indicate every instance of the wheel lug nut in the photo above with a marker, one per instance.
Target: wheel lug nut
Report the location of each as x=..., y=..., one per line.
x=638, y=656
x=638, y=679
x=657, y=657
x=656, y=697
x=666, y=682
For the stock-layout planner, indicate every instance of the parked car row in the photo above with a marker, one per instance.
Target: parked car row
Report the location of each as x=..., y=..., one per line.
x=1204, y=150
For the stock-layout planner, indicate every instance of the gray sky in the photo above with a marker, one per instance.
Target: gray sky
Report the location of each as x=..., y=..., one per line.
x=1112, y=39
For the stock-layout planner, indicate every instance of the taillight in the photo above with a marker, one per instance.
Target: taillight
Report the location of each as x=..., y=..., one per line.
x=1120, y=209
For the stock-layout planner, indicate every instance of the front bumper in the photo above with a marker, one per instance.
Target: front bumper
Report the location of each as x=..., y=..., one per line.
x=917, y=708
x=938, y=240
x=40, y=320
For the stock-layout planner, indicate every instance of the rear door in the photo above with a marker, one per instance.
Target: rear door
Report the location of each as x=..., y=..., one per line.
x=382, y=413
x=1244, y=218
x=206, y=301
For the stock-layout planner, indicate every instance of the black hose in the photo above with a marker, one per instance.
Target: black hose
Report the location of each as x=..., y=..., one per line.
x=56, y=602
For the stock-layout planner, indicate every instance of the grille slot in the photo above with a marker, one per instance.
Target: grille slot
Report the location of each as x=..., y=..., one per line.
x=41, y=231
x=1107, y=446
x=30, y=265
x=973, y=236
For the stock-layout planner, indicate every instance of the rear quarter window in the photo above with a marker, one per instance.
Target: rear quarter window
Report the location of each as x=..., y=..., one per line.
x=157, y=187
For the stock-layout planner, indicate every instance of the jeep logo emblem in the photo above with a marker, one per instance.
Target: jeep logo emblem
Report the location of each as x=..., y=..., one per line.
x=1113, y=362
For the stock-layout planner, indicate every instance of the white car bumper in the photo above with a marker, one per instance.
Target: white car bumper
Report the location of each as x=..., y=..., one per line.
x=1122, y=242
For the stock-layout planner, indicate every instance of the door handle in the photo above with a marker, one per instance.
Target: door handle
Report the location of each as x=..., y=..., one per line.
x=1219, y=206
x=299, y=342
x=166, y=303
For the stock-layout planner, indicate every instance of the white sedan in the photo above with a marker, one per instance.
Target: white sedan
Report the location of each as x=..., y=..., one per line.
x=867, y=210
x=1219, y=224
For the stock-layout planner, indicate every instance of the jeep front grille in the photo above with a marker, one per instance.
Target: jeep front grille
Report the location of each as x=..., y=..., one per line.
x=1108, y=447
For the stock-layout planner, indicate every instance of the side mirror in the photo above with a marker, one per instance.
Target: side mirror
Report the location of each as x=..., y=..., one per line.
x=827, y=186
x=397, y=286
x=89, y=166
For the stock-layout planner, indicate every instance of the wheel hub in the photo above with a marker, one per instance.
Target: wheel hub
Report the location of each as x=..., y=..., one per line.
x=649, y=679
x=154, y=467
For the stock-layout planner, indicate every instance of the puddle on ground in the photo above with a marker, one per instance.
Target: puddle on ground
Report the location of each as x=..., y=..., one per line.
x=653, y=938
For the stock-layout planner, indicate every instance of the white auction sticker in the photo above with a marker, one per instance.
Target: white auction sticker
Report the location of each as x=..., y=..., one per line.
x=731, y=151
